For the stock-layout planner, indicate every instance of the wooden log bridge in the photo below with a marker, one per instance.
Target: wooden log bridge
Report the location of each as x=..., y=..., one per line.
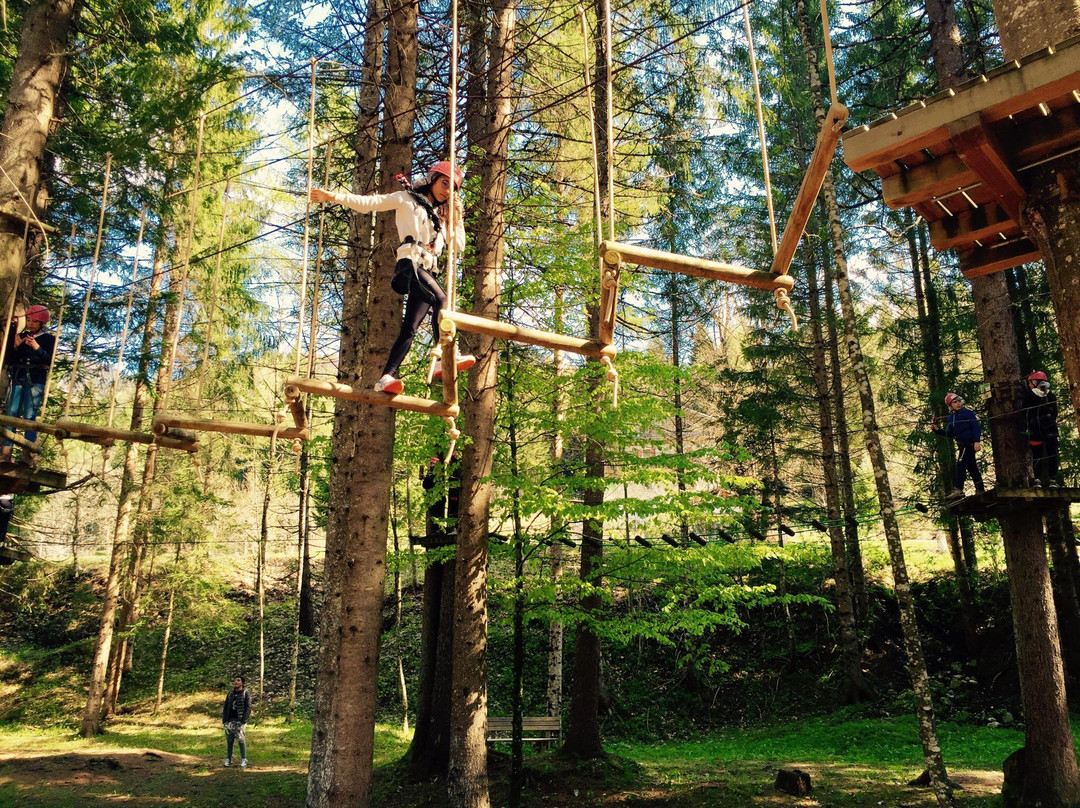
x=530, y=336
x=178, y=439
x=166, y=425
x=295, y=385
x=615, y=252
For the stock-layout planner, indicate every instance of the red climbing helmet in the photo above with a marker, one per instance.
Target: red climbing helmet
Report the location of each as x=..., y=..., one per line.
x=443, y=168
x=39, y=313
x=1037, y=376
x=951, y=397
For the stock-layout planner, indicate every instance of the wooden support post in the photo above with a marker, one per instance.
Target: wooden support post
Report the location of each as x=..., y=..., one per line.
x=827, y=141
x=982, y=223
x=698, y=267
x=296, y=407
x=530, y=336
x=448, y=359
x=320, y=387
x=980, y=151
x=609, y=294
x=166, y=425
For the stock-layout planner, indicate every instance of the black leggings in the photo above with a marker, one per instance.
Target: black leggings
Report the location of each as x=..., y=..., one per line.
x=965, y=465
x=423, y=289
x=1045, y=460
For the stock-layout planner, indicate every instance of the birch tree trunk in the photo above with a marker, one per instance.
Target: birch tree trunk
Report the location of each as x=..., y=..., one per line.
x=342, y=744
x=916, y=664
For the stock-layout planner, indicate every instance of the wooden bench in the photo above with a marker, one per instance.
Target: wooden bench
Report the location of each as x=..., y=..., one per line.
x=538, y=729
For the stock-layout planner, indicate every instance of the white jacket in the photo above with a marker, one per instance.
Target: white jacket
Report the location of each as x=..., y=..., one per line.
x=412, y=220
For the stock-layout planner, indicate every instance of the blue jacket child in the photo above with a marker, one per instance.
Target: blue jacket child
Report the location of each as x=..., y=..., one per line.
x=962, y=425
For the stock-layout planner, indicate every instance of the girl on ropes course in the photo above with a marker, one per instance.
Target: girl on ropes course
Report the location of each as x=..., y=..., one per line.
x=421, y=215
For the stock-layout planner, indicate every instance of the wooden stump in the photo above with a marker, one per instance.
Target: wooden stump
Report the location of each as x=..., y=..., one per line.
x=793, y=781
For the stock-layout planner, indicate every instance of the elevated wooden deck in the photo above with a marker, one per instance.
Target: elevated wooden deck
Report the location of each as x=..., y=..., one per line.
x=1002, y=501
x=958, y=158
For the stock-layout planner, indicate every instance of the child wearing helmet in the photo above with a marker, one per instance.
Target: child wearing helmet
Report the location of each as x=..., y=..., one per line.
x=1041, y=411
x=962, y=425
x=421, y=215
x=27, y=359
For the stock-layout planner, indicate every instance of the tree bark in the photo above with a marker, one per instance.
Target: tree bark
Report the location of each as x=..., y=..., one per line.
x=32, y=97
x=343, y=735
x=490, y=96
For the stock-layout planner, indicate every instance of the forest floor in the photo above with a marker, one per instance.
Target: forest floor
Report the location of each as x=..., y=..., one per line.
x=175, y=759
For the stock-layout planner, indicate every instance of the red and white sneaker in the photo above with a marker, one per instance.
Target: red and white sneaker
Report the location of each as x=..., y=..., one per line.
x=388, y=384
x=464, y=362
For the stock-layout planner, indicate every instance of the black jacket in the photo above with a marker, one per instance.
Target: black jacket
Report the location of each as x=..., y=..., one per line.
x=1041, y=415
x=27, y=365
x=237, y=706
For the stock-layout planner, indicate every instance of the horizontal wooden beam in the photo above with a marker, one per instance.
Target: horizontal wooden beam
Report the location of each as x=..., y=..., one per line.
x=165, y=424
x=321, y=387
x=827, y=141
x=78, y=430
x=1007, y=91
x=977, y=146
x=529, y=336
x=926, y=181
x=615, y=251
x=30, y=220
x=1044, y=137
x=988, y=260
x=963, y=229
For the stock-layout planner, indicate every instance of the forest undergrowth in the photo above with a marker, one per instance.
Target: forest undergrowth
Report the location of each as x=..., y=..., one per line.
x=681, y=728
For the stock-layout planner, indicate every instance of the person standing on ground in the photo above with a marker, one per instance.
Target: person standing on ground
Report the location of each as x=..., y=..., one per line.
x=962, y=425
x=234, y=717
x=27, y=358
x=1041, y=409
x=421, y=216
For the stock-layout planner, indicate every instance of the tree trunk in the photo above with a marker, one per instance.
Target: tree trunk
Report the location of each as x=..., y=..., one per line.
x=855, y=686
x=488, y=119
x=582, y=737
x=123, y=531
x=343, y=733
x=1050, y=774
x=36, y=78
x=916, y=664
x=846, y=480
x=260, y=571
x=554, y=688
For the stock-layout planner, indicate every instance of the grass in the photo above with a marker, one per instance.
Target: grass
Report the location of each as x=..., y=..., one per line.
x=853, y=762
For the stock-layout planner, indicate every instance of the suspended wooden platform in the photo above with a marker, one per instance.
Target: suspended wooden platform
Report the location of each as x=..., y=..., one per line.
x=295, y=385
x=167, y=424
x=1000, y=501
x=958, y=158
x=16, y=478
